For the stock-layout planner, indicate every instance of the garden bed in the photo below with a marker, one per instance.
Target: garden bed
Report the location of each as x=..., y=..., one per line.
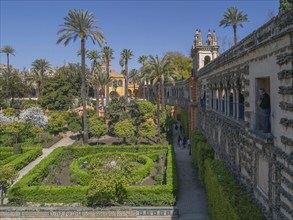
x=76, y=178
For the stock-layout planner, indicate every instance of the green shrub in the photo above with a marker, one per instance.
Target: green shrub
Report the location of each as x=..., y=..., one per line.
x=225, y=197
x=18, y=161
x=107, y=189
x=29, y=188
x=202, y=152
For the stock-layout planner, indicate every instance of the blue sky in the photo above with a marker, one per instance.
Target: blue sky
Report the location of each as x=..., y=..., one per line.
x=145, y=27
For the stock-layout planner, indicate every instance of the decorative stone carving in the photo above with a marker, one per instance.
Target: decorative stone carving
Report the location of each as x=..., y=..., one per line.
x=287, y=141
x=286, y=122
x=285, y=74
x=286, y=90
x=284, y=58
x=286, y=106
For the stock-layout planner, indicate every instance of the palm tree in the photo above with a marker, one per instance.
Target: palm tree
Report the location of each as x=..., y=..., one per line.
x=81, y=24
x=121, y=63
x=233, y=17
x=142, y=60
x=135, y=77
x=94, y=56
x=7, y=50
x=39, y=68
x=126, y=55
x=104, y=80
x=107, y=54
x=160, y=71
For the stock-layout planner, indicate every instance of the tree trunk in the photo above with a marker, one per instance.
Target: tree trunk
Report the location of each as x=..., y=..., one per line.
x=97, y=98
x=126, y=79
x=83, y=94
x=144, y=88
x=7, y=81
x=235, y=34
x=133, y=94
x=158, y=112
x=107, y=86
x=163, y=96
x=2, y=194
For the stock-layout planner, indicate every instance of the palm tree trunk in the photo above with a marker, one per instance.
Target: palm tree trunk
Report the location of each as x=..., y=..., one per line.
x=158, y=112
x=7, y=80
x=83, y=93
x=97, y=98
x=235, y=34
x=107, y=86
x=133, y=94
x=163, y=96
x=126, y=80
x=144, y=88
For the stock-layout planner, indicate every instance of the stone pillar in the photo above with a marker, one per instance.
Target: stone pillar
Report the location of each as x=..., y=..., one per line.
x=237, y=104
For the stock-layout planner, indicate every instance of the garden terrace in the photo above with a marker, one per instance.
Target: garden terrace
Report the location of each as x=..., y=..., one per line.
x=156, y=161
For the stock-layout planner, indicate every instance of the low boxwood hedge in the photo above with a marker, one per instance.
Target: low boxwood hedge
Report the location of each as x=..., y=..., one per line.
x=18, y=161
x=225, y=197
x=29, y=188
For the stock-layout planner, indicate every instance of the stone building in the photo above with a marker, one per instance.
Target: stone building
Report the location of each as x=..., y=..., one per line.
x=223, y=101
x=233, y=122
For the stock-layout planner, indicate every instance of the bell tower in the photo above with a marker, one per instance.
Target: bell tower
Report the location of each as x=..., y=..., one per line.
x=202, y=53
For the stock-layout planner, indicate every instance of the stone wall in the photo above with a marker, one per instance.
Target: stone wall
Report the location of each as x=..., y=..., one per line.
x=154, y=213
x=262, y=162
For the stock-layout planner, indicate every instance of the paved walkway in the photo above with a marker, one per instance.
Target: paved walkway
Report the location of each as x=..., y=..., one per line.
x=68, y=140
x=191, y=201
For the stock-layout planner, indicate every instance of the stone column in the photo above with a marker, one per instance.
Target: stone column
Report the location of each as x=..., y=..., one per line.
x=237, y=105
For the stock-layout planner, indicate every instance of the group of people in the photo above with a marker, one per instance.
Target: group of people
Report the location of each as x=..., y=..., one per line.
x=181, y=142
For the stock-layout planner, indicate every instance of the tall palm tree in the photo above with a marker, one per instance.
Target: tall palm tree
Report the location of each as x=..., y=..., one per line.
x=94, y=55
x=7, y=50
x=142, y=60
x=135, y=77
x=104, y=80
x=81, y=24
x=39, y=69
x=234, y=18
x=107, y=54
x=121, y=63
x=126, y=55
x=160, y=71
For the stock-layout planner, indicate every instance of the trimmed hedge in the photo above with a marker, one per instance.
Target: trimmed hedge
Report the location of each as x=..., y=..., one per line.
x=225, y=197
x=83, y=178
x=28, y=189
x=18, y=161
x=159, y=195
x=200, y=152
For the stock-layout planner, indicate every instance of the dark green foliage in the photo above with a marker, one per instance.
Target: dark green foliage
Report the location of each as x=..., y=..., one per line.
x=28, y=189
x=200, y=152
x=59, y=91
x=97, y=126
x=285, y=5
x=147, y=109
x=18, y=161
x=225, y=197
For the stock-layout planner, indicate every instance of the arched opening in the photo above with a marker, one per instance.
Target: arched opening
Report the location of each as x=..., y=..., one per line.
x=207, y=59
